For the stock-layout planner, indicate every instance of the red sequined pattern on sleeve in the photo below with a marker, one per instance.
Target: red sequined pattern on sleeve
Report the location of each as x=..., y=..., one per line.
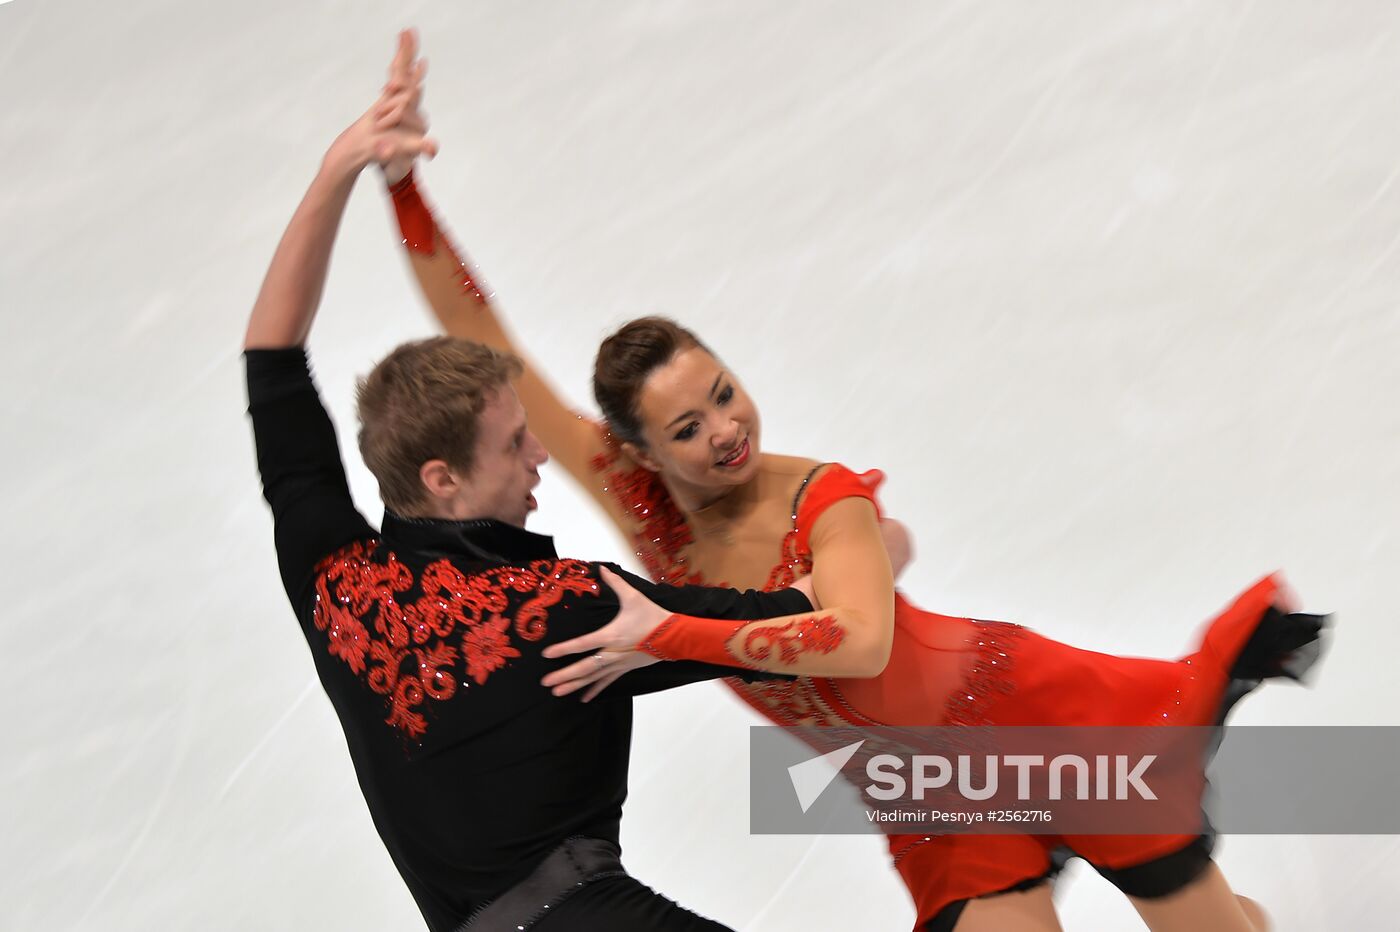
x=421, y=233
x=793, y=639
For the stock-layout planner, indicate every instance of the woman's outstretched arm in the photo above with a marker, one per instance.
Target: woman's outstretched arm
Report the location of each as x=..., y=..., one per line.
x=464, y=307
x=850, y=636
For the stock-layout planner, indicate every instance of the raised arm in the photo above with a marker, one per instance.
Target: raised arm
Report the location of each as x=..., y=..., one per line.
x=291, y=290
x=464, y=307
x=298, y=457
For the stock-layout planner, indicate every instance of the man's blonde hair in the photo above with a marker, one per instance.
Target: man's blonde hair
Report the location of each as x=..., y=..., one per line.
x=421, y=403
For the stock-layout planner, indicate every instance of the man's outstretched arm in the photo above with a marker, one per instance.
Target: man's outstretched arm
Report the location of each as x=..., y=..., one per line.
x=298, y=457
x=291, y=290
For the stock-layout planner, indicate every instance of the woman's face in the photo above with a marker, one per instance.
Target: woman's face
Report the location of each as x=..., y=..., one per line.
x=700, y=426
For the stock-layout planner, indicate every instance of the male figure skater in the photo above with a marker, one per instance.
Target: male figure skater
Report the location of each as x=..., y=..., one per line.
x=498, y=802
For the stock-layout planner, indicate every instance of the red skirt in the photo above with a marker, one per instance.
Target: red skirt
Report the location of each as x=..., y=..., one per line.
x=946, y=670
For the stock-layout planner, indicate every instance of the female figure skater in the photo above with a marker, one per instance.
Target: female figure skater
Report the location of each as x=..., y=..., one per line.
x=680, y=470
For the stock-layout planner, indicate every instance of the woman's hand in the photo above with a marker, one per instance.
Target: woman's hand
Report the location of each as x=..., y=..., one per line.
x=601, y=671
x=637, y=616
x=392, y=132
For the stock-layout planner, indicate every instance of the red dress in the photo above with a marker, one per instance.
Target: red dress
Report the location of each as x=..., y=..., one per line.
x=942, y=670
x=945, y=670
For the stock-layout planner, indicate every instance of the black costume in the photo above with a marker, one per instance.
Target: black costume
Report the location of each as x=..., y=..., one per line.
x=427, y=640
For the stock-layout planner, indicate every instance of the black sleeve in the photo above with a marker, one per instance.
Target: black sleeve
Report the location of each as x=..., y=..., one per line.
x=668, y=674
x=702, y=602
x=709, y=602
x=303, y=478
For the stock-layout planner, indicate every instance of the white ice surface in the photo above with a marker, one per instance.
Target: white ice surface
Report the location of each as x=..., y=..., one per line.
x=1109, y=289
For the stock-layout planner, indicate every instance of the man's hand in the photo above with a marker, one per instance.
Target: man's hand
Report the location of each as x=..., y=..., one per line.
x=636, y=617
x=392, y=132
x=402, y=111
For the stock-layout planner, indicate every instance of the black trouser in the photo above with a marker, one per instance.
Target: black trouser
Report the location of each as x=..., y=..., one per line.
x=615, y=903
x=582, y=887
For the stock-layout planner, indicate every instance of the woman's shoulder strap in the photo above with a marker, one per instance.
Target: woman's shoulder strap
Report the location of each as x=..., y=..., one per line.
x=827, y=485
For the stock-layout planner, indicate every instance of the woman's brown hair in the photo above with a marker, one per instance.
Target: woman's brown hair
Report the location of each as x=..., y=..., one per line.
x=624, y=362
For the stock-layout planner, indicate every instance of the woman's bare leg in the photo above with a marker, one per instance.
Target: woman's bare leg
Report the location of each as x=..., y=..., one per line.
x=1025, y=911
x=1207, y=904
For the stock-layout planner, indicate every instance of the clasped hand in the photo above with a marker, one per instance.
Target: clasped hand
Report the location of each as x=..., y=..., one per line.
x=393, y=132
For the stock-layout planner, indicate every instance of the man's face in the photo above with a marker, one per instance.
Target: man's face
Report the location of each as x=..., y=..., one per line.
x=508, y=459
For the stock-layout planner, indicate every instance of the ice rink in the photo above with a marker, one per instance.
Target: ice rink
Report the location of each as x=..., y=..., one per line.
x=1108, y=289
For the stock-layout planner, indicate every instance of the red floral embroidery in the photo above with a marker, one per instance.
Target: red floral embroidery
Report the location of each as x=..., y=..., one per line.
x=795, y=702
x=348, y=640
x=410, y=651
x=435, y=665
x=660, y=530
x=790, y=567
x=488, y=648
x=993, y=644
x=821, y=634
